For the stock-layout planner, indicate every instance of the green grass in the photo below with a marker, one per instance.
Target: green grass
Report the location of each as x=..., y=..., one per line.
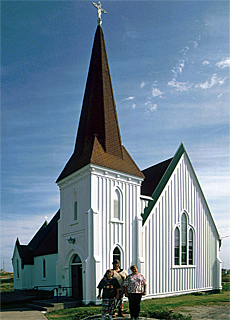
x=166, y=308
x=6, y=282
x=160, y=308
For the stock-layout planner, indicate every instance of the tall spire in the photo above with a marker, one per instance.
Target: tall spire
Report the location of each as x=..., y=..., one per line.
x=98, y=139
x=98, y=115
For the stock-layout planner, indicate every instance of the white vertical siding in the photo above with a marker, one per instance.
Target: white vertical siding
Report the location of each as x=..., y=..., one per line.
x=181, y=194
x=114, y=232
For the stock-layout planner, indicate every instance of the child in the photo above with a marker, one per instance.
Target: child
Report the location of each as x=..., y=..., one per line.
x=110, y=288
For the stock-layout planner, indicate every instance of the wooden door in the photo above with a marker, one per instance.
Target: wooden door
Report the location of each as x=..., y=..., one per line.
x=77, y=281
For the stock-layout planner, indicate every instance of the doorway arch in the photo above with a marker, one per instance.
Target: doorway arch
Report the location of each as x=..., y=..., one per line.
x=76, y=277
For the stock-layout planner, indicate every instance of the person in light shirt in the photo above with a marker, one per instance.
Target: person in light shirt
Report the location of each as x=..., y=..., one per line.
x=120, y=275
x=135, y=287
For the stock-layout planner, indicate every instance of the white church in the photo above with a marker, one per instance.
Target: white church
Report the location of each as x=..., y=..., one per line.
x=157, y=218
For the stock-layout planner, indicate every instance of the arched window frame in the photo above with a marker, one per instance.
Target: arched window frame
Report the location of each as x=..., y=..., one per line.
x=44, y=269
x=117, y=254
x=184, y=239
x=17, y=268
x=76, y=259
x=191, y=246
x=122, y=257
x=117, y=195
x=186, y=245
x=177, y=246
x=75, y=207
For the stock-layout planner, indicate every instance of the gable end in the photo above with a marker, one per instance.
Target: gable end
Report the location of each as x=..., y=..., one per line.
x=160, y=187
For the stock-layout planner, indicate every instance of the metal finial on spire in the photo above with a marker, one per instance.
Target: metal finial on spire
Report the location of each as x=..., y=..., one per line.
x=99, y=11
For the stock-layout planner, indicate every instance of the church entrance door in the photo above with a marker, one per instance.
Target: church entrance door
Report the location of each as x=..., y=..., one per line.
x=76, y=273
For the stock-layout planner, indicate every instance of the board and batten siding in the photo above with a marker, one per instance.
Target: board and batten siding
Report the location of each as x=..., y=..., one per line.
x=181, y=194
x=113, y=232
x=75, y=188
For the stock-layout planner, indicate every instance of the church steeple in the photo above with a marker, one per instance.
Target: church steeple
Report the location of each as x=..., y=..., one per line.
x=98, y=139
x=98, y=115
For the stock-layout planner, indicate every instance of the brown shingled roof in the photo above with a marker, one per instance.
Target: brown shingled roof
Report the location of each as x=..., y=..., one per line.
x=98, y=139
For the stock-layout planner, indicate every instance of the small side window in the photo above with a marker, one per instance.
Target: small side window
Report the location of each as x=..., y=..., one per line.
x=177, y=247
x=44, y=269
x=75, y=211
x=116, y=254
x=17, y=267
x=116, y=205
x=183, y=239
x=190, y=250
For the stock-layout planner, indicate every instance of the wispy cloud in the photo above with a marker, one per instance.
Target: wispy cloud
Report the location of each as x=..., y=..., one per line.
x=215, y=80
x=224, y=63
x=179, y=86
x=206, y=62
x=157, y=93
x=143, y=84
x=178, y=69
x=150, y=106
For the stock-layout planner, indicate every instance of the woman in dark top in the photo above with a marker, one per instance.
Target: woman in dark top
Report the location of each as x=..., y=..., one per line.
x=110, y=287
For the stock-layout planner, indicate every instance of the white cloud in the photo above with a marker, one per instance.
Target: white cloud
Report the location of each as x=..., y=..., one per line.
x=195, y=43
x=134, y=106
x=209, y=84
x=179, y=68
x=184, y=50
x=224, y=63
x=130, y=98
x=206, y=62
x=150, y=106
x=142, y=84
x=156, y=92
x=179, y=86
x=153, y=107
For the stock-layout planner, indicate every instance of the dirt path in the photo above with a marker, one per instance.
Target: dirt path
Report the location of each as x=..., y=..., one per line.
x=217, y=312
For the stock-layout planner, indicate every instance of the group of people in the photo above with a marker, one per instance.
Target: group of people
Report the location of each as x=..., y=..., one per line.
x=115, y=284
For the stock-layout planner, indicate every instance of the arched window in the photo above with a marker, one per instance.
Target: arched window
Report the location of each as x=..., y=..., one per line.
x=76, y=259
x=75, y=206
x=177, y=246
x=116, y=254
x=44, y=268
x=116, y=205
x=190, y=249
x=17, y=267
x=183, y=239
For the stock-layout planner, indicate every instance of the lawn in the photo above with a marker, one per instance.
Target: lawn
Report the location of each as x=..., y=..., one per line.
x=161, y=308
x=6, y=282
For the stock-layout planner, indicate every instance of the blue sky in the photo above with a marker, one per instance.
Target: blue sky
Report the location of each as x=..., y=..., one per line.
x=169, y=63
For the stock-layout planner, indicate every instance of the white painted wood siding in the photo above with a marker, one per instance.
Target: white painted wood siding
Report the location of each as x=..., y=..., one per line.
x=110, y=232
x=181, y=193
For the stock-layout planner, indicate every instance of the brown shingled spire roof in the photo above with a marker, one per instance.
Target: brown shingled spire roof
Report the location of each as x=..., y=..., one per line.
x=98, y=138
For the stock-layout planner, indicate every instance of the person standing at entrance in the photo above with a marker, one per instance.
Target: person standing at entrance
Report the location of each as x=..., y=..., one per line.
x=120, y=275
x=135, y=286
x=110, y=287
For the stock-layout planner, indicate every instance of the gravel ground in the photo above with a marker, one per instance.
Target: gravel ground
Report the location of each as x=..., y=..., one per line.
x=217, y=312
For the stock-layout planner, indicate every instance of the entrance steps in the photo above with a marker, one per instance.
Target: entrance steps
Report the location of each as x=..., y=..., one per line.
x=51, y=304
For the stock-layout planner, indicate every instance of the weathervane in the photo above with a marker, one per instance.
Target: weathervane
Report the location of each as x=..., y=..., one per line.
x=99, y=11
